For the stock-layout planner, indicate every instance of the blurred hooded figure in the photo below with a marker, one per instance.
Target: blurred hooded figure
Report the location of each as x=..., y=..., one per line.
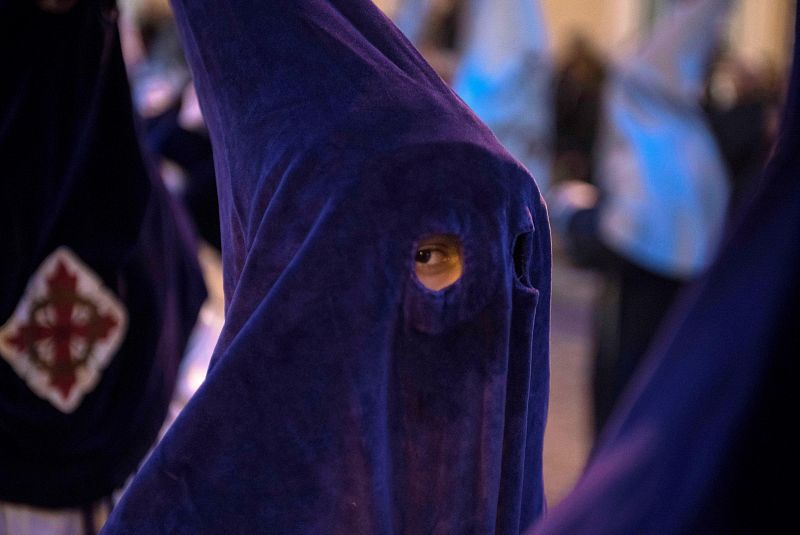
x=700, y=442
x=506, y=76
x=655, y=219
x=384, y=361
x=100, y=286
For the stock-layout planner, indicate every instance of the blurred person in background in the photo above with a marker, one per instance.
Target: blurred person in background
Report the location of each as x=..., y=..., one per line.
x=497, y=60
x=655, y=218
x=505, y=76
x=153, y=55
x=702, y=440
x=176, y=137
x=578, y=96
x=100, y=287
x=741, y=102
x=164, y=96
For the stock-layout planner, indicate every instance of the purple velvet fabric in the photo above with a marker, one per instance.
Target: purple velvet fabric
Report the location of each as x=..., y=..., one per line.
x=344, y=397
x=72, y=175
x=702, y=442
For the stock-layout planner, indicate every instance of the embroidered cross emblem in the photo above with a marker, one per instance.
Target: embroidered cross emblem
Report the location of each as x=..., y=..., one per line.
x=64, y=331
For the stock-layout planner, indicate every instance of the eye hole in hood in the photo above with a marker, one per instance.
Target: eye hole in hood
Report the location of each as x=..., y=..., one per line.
x=438, y=261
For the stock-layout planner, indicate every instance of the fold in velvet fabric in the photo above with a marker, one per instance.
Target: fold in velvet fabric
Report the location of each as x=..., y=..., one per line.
x=76, y=194
x=344, y=396
x=702, y=441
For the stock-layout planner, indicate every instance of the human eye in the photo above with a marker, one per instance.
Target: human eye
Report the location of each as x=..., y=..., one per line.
x=432, y=256
x=437, y=261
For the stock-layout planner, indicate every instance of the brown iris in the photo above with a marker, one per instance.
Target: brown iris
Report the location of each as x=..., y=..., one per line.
x=438, y=262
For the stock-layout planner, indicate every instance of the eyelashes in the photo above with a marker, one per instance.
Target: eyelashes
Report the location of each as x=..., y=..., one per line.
x=438, y=261
x=434, y=256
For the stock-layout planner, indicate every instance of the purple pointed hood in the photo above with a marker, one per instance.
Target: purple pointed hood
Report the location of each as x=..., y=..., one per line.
x=344, y=396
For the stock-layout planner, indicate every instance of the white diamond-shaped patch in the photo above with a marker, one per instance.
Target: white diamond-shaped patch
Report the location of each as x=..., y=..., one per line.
x=64, y=331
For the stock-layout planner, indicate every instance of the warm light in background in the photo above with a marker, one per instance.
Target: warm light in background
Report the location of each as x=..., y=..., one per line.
x=759, y=30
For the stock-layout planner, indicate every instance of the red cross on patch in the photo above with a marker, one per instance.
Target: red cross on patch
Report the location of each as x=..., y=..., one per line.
x=64, y=331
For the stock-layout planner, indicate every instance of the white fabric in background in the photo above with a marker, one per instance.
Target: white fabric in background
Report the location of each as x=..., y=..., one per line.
x=665, y=186
x=506, y=76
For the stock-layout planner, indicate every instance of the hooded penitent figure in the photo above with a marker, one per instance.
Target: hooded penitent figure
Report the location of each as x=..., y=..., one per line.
x=702, y=441
x=505, y=76
x=99, y=283
x=346, y=396
x=664, y=185
x=663, y=191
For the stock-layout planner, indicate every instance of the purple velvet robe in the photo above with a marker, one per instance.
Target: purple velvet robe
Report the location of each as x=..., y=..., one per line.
x=344, y=396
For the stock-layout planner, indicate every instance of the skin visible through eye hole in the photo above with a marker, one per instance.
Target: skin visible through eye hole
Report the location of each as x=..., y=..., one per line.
x=438, y=261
